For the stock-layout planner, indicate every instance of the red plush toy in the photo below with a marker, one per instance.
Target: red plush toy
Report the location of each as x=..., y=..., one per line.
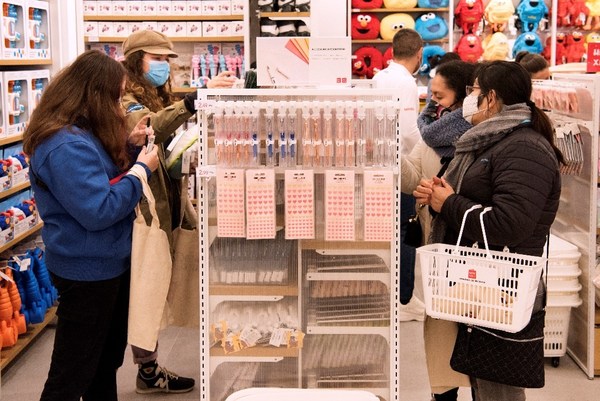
x=574, y=47
x=560, y=48
x=367, y=60
x=467, y=14
x=578, y=12
x=365, y=26
x=562, y=13
x=364, y=4
x=387, y=57
x=469, y=48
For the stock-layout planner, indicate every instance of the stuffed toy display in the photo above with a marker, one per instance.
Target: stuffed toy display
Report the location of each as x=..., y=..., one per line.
x=431, y=27
x=593, y=19
x=578, y=12
x=392, y=23
x=574, y=47
x=388, y=55
x=468, y=14
x=495, y=47
x=528, y=41
x=286, y=6
x=497, y=13
x=593, y=37
x=400, y=3
x=365, y=26
x=429, y=53
x=265, y=6
x=469, y=48
x=432, y=3
x=364, y=4
x=560, y=48
x=531, y=13
x=367, y=61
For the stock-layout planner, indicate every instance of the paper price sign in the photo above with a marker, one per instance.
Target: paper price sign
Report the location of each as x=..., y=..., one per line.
x=593, y=57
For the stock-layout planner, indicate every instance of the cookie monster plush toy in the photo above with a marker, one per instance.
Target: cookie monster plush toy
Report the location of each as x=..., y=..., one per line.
x=528, y=41
x=430, y=52
x=530, y=13
x=431, y=27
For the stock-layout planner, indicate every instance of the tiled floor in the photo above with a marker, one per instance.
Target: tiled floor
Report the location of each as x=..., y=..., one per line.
x=23, y=381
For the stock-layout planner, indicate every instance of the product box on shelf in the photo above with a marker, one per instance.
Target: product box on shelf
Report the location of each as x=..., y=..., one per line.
x=149, y=7
x=179, y=29
x=19, y=163
x=119, y=7
x=14, y=32
x=24, y=216
x=90, y=7
x=134, y=8
x=5, y=175
x=16, y=114
x=135, y=26
x=237, y=28
x=104, y=7
x=164, y=7
x=38, y=81
x=210, y=7
x=194, y=8
x=194, y=28
x=223, y=7
x=209, y=28
x=224, y=28
x=121, y=29
x=6, y=228
x=178, y=7
x=106, y=28
x=90, y=28
x=238, y=6
x=38, y=21
x=166, y=27
x=150, y=25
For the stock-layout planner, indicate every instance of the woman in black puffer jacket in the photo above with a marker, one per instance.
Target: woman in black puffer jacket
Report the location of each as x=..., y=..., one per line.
x=508, y=161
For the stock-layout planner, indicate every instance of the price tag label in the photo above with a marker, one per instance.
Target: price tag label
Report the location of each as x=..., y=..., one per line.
x=206, y=171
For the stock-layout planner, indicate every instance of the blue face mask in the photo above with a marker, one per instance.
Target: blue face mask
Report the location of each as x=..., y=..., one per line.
x=158, y=73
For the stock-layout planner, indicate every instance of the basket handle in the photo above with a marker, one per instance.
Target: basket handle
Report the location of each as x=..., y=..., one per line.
x=462, y=225
x=485, y=241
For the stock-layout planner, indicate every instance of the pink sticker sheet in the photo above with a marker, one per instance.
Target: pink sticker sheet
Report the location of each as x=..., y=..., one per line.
x=260, y=204
x=299, y=204
x=339, y=205
x=379, y=206
x=230, y=203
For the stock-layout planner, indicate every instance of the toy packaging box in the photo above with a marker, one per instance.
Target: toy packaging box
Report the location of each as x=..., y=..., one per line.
x=16, y=111
x=14, y=32
x=38, y=37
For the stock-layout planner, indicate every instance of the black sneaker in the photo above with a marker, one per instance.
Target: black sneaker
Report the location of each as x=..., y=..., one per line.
x=162, y=381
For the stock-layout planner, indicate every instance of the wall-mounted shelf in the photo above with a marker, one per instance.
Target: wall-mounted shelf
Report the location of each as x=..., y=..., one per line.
x=203, y=39
x=22, y=62
x=227, y=289
x=384, y=41
x=400, y=10
x=163, y=18
x=11, y=139
x=14, y=189
x=21, y=237
x=290, y=15
x=257, y=352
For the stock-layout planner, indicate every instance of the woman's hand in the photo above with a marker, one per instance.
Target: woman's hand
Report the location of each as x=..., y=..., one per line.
x=440, y=191
x=423, y=192
x=150, y=159
x=225, y=79
x=138, y=135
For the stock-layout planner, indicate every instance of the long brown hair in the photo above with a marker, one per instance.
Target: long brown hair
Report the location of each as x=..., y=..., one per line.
x=85, y=93
x=153, y=98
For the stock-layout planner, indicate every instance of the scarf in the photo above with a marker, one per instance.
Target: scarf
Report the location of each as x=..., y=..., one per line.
x=441, y=133
x=474, y=142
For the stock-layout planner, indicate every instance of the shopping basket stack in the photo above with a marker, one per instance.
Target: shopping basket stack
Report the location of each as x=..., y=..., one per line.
x=563, y=294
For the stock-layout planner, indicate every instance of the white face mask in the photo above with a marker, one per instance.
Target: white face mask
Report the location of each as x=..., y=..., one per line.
x=470, y=108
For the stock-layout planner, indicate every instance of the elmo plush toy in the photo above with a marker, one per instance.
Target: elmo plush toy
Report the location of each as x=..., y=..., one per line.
x=392, y=23
x=562, y=13
x=468, y=14
x=431, y=27
x=469, y=48
x=387, y=56
x=364, y=4
x=367, y=60
x=531, y=13
x=593, y=20
x=497, y=13
x=574, y=47
x=429, y=53
x=495, y=47
x=365, y=26
x=528, y=41
x=578, y=12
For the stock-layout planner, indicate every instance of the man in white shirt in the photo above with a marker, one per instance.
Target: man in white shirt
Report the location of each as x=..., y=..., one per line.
x=407, y=50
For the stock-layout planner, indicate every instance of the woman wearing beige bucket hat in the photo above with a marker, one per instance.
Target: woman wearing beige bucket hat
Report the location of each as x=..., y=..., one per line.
x=148, y=95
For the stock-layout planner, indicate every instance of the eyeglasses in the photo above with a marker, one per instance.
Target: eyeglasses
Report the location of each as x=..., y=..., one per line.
x=469, y=89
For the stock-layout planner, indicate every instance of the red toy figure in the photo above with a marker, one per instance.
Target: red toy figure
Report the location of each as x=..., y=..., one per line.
x=467, y=14
x=365, y=26
x=469, y=48
x=367, y=60
x=578, y=12
x=387, y=57
x=574, y=47
x=562, y=13
x=364, y=4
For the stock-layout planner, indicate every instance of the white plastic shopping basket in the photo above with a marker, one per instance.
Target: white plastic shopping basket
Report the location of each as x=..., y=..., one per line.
x=478, y=286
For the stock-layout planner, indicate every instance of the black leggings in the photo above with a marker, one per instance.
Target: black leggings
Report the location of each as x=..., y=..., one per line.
x=90, y=340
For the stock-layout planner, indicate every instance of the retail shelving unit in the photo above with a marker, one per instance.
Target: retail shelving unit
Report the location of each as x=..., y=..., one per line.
x=576, y=220
x=341, y=297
